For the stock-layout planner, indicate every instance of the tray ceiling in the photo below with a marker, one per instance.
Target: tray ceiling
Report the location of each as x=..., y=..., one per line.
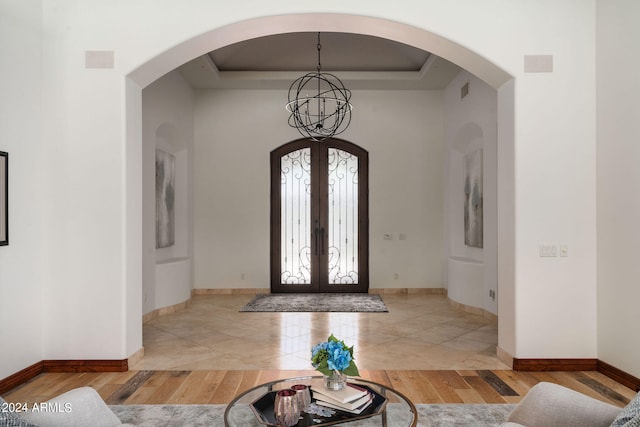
x=361, y=62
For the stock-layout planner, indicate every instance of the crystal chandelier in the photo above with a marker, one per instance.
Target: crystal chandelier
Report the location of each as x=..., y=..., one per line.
x=319, y=104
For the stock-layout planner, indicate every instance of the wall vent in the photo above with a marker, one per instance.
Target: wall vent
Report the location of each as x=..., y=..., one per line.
x=538, y=63
x=99, y=59
x=464, y=90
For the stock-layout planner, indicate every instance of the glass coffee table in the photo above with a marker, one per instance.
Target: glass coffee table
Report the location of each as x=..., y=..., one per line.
x=398, y=411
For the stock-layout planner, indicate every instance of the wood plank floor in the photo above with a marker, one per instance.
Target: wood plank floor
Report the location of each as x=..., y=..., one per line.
x=220, y=387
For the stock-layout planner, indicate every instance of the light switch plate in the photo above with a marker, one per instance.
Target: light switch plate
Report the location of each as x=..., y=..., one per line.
x=548, y=250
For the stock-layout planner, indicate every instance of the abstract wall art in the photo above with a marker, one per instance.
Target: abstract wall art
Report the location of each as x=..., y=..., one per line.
x=165, y=198
x=473, y=227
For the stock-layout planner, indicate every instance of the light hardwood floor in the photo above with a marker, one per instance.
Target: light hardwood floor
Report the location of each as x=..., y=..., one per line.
x=220, y=387
x=209, y=352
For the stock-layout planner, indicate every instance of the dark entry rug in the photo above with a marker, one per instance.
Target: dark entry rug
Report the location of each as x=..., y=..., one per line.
x=348, y=303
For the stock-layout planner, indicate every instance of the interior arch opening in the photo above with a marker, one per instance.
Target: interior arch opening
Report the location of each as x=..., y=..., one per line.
x=209, y=114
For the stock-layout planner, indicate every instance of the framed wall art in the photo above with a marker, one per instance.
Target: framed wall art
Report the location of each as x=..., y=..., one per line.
x=4, y=198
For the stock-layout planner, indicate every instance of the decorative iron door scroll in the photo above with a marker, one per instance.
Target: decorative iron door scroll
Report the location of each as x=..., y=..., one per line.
x=319, y=217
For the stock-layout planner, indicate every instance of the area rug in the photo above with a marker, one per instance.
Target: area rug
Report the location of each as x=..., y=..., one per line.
x=349, y=303
x=213, y=416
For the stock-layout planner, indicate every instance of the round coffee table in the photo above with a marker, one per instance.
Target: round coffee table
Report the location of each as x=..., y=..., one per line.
x=398, y=411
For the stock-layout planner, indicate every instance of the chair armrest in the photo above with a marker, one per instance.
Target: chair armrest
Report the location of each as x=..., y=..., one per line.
x=549, y=404
x=80, y=407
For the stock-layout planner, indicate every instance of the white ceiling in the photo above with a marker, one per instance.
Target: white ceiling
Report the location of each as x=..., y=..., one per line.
x=361, y=62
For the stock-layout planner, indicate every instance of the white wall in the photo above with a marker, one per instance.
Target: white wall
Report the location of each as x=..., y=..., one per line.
x=555, y=298
x=502, y=39
x=89, y=136
x=506, y=229
x=404, y=134
x=470, y=124
x=236, y=131
x=618, y=177
x=21, y=262
x=168, y=125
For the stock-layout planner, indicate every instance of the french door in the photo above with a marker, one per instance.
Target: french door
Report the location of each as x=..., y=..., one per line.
x=319, y=217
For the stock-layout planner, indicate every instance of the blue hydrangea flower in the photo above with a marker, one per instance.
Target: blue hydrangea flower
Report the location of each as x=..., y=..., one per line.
x=339, y=359
x=333, y=355
x=317, y=348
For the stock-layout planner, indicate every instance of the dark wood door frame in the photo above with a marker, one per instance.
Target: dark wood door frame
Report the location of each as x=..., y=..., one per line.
x=319, y=238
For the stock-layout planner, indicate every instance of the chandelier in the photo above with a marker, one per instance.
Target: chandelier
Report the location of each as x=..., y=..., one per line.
x=319, y=104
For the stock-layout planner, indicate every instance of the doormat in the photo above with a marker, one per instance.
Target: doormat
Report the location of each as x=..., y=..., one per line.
x=345, y=303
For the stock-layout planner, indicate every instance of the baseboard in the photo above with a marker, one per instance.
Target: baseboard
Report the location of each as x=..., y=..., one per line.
x=379, y=291
x=407, y=291
x=231, y=291
x=618, y=375
x=135, y=358
x=473, y=310
x=85, y=365
x=38, y=368
x=165, y=310
x=604, y=368
x=505, y=357
x=20, y=377
x=554, y=364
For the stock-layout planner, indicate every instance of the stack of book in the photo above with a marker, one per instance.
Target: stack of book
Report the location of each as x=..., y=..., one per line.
x=353, y=399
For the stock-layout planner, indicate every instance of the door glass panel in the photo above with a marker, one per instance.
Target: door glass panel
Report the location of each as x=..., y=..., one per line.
x=295, y=209
x=343, y=217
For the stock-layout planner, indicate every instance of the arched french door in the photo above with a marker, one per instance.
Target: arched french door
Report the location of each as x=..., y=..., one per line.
x=319, y=217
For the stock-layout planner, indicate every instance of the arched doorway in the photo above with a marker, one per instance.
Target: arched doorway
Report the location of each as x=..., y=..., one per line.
x=319, y=217
x=418, y=37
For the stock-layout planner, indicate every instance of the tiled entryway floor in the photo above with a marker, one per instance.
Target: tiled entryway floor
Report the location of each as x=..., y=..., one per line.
x=419, y=332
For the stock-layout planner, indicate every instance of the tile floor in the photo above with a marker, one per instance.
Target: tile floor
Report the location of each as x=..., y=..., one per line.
x=419, y=332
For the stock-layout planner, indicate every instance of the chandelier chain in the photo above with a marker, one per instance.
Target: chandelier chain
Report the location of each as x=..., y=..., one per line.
x=319, y=47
